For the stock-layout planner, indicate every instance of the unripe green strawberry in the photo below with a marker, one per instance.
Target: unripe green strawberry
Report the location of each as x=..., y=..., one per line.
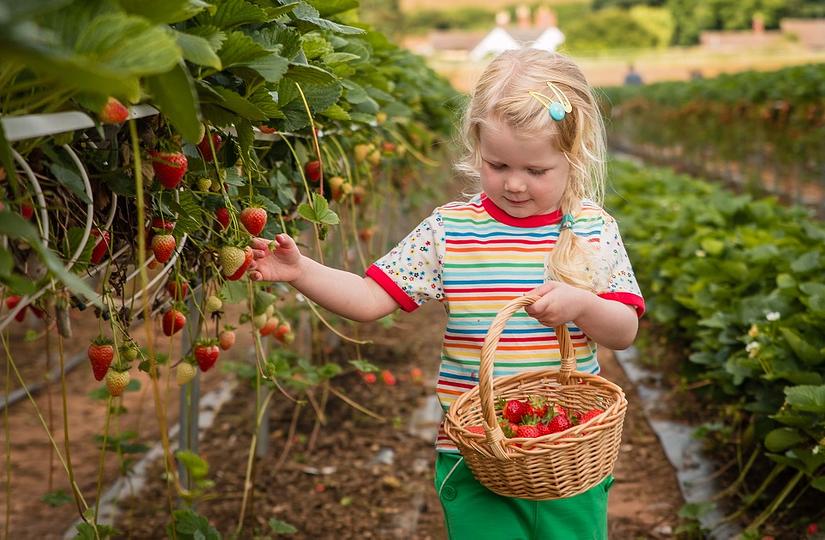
x=116, y=381
x=259, y=321
x=213, y=304
x=184, y=373
x=204, y=184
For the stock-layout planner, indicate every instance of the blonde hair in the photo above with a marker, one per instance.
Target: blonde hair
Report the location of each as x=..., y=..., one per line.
x=502, y=94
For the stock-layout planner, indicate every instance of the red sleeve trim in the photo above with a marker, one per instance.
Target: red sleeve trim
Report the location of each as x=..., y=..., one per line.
x=397, y=293
x=627, y=298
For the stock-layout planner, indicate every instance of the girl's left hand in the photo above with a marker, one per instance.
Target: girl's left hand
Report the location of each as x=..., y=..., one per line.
x=559, y=303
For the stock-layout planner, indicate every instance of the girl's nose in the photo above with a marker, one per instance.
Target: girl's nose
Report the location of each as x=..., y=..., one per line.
x=514, y=185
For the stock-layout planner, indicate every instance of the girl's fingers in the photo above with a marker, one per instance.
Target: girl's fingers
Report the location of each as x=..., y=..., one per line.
x=255, y=276
x=259, y=243
x=258, y=253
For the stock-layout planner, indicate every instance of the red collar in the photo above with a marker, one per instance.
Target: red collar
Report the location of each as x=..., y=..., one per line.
x=533, y=221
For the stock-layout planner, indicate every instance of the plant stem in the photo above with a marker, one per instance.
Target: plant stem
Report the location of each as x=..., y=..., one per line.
x=761, y=518
x=250, y=460
x=101, y=465
x=7, y=431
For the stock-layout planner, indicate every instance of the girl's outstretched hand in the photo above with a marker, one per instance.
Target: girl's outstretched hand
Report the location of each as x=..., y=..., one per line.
x=559, y=303
x=276, y=260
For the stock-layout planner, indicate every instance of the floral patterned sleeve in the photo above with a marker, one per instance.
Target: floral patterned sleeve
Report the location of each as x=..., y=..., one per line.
x=411, y=272
x=615, y=265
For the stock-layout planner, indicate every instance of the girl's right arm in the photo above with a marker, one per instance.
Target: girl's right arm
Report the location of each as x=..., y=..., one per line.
x=347, y=294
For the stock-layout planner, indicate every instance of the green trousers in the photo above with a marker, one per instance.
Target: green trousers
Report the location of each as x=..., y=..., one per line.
x=473, y=512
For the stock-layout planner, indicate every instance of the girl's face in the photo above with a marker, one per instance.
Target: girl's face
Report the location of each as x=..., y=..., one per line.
x=524, y=176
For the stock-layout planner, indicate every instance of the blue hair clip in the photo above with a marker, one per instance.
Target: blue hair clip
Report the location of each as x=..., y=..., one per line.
x=558, y=108
x=567, y=221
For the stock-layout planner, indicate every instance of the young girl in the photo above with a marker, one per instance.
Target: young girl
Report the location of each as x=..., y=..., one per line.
x=535, y=144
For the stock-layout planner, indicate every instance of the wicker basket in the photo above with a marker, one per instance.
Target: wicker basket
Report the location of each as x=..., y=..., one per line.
x=553, y=466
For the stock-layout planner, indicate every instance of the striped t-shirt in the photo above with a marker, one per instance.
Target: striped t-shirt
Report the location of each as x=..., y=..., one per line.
x=475, y=258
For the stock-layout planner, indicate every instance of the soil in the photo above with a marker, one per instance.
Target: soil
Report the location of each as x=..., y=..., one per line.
x=363, y=478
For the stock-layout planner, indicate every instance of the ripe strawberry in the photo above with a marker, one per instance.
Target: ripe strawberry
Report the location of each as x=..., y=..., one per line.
x=528, y=431
x=582, y=417
x=101, y=353
x=366, y=234
x=544, y=428
x=101, y=247
x=163, y=225
x=116, y=382
x=177, y=290
x=206, y=150
x=163, y=245
x=173, y=321
x=266, y=129
x=416, y=375
x=226, y=339
x=113, y=112
x=169, y=167
x=234, y=261
x=538, y=406
x=270, y=326
x=184, y=373
x=369, y=378
x=312, y=170
x=388, y=377
x=560, y=422
x=222, y=215
x=26, y=210
x=213, y=304
x=11, y=303
x=514, y=410
x=253, y=220
x=206, y=353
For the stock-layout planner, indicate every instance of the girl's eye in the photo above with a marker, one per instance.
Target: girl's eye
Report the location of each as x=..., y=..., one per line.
x=537, y=172
x=496, y=166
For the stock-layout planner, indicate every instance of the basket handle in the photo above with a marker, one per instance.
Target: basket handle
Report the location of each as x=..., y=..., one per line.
x=495, y=435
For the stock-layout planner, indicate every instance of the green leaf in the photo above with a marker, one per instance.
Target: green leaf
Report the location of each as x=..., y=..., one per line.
x=214, y=35
x=335, y=112
x=240, y=49
x=71, y=180
x=781, y=439
x=281, y=527
x=56, y=498
x=318, y=211
x=128, y=45
x=164, y=11
x=807, y=398
x=304, y=73
x=240, y=105
x=271, y=67
x=262, y=301
x=174, y=94
x=806, y=262
x=818, y=483
x=327, y=8
x=14, y=226
x=198, y=467
x=231, y=13
x=198, y=50
x=802, y=349
x=365, y=366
